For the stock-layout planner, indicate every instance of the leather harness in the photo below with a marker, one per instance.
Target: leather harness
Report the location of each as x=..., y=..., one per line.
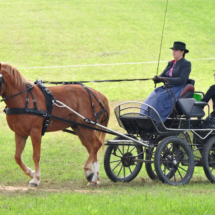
x=50, y=100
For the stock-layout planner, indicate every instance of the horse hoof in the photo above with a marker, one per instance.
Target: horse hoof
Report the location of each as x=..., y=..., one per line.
x=32, y=185
x=92, y=184
x=90, y=177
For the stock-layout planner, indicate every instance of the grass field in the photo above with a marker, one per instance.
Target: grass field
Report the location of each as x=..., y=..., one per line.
x=36, y=35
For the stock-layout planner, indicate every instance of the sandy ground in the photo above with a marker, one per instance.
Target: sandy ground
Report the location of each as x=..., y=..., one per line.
x=26, y=189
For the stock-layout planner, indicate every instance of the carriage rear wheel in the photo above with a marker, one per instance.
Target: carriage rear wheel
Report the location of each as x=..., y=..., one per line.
x=208, y=159
x=174, y=162
x=123, y=162
x=150, y=167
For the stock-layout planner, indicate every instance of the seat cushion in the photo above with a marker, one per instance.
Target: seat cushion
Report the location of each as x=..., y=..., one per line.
x=188, y=108
x=187, y=92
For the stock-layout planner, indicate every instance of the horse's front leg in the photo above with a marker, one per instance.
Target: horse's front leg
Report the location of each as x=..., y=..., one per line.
x=36, y=143
x=20, y=145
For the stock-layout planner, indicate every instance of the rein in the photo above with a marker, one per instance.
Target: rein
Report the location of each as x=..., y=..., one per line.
x=95, y=81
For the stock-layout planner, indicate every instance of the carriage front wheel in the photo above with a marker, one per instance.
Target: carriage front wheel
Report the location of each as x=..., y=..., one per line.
x=123, y=161
x=174, y=161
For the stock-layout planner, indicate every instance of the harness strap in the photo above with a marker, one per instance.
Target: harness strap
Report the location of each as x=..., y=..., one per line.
x=80, y=124
x=92, y=104
x=13, y=111
x=28, y=88
x=49, y=97
x=27, y=100
x=34, y=101
x=93, y=107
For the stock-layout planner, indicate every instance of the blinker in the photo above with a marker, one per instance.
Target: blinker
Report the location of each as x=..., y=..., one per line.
x=1, y=80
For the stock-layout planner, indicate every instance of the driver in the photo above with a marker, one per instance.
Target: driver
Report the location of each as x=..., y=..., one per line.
x=175, y=77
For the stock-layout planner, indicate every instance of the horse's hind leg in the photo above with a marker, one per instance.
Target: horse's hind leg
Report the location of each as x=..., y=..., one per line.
x=96, y=176
x=92, y=160
x=92, y=144
x=20, y=145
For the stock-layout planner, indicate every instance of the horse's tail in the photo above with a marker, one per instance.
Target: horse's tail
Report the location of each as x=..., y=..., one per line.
x=104, y=119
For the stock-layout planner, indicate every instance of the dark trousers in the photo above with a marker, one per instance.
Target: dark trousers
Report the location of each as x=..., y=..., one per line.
x=210, y=95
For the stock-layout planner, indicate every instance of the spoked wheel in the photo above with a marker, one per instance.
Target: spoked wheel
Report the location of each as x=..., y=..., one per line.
x=123, y=162
x=150, y=167
x=208, y=159
x=174, y=162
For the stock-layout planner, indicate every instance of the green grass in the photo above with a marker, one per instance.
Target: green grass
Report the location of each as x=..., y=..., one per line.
x=43, y=33
x=133, y=201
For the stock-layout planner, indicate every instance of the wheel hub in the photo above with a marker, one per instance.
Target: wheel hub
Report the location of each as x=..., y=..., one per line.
x=172, y=162
x=127, y=159
x=175, y=161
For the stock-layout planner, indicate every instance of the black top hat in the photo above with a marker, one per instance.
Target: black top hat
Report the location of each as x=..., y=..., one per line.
x=180, y=46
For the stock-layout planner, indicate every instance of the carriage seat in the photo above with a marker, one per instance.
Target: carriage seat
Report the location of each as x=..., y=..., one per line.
x=191, y=108
x=187, y=92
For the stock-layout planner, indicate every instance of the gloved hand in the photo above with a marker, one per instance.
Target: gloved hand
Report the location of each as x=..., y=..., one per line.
x=163, y=79
x=156, y=79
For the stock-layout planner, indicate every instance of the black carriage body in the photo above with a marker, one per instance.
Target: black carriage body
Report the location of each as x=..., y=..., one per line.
x=136, y=124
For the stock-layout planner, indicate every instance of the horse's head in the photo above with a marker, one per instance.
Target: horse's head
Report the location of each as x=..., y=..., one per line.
x=11, y=79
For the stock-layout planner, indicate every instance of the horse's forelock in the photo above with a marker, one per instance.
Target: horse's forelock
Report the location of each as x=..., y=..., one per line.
x=19, y=78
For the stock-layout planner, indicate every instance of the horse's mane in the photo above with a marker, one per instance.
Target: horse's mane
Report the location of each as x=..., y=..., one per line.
x=19, y=78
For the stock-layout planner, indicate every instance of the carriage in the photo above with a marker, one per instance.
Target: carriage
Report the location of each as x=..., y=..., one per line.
x=169, y=150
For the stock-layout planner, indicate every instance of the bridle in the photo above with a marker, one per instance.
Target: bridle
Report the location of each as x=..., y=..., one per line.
x=1, y=82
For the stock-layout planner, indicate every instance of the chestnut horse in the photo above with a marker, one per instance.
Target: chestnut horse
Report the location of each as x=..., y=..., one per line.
x=74, y=96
